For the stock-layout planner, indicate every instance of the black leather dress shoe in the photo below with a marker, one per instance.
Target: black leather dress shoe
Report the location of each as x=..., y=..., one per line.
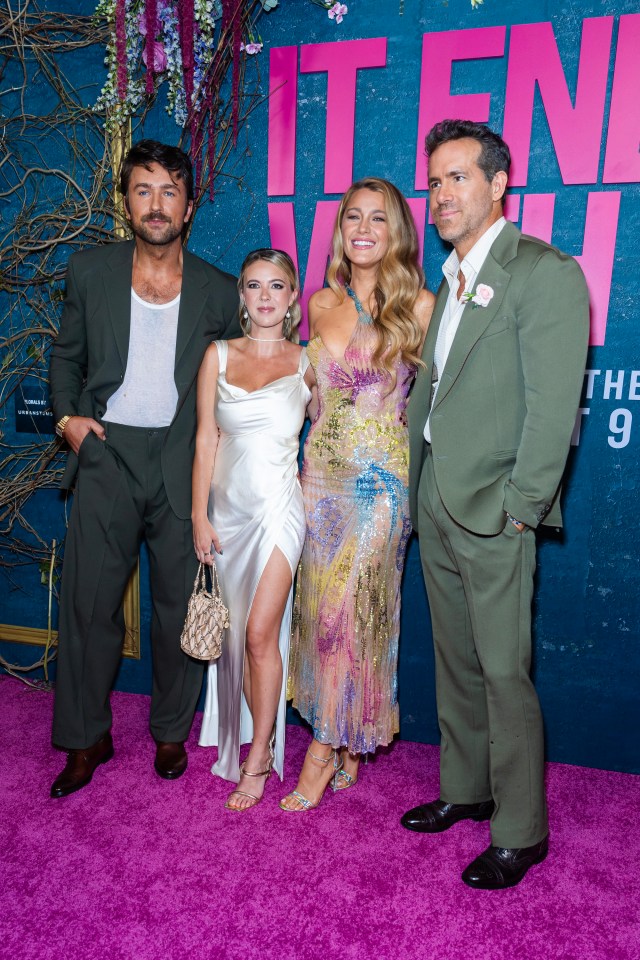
x=80, y=767
x=501, y=867
x=171, y=760
x=438, y=816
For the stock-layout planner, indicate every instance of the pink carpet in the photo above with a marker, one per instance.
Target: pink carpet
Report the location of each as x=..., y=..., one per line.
x=136, y=868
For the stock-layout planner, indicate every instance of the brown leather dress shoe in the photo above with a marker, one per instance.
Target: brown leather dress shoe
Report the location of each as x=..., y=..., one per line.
x=80, y=767
x=438, y=816
x=501, y=867
x=171, y=760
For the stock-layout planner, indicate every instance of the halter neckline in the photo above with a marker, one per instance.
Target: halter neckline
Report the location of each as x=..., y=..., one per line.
x=363, y=316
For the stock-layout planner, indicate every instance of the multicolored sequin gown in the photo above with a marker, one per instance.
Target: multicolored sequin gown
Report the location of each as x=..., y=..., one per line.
x=346, y=620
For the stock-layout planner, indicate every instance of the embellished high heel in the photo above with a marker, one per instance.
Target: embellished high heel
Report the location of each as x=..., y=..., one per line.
x=346, y=780
x=245, y=773
x=306, y=804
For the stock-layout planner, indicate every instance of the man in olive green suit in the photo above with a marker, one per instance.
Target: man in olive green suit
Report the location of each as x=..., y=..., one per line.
x=137, y=319
x=490, y=423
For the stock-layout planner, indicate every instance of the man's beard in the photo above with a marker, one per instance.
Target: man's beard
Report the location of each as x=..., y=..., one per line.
x=153, y=237
x=473, y=217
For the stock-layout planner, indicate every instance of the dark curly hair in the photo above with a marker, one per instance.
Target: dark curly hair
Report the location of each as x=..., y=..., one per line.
x=146, y=152
x=494, y=152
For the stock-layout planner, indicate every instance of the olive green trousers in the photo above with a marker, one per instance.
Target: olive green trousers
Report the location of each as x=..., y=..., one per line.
x=480, y=590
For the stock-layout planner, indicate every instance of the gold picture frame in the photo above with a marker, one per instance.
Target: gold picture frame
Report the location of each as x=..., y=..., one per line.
x=39, y=637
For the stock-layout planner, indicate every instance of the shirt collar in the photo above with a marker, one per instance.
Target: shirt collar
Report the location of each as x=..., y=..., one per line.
x=474, y=260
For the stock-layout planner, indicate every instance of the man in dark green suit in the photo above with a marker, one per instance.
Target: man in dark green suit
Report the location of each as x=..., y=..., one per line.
x=490, y=424
x=137, y=319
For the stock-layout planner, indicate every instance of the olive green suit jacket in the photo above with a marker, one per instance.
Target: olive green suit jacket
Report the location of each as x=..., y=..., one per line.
x=89, y=356
x=505, y=408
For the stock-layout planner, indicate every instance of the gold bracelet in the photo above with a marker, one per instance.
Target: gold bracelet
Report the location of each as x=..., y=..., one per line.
x=61, y=424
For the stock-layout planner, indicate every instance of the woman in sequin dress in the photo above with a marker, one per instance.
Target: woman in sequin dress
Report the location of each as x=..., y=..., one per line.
x=247, y=504
x=366, y=332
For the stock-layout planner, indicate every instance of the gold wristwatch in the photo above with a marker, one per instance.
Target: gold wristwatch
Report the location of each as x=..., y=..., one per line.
x=61, y=424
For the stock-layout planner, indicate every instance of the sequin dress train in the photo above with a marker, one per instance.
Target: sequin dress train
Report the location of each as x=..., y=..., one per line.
x=346, y=621
x=255, y=505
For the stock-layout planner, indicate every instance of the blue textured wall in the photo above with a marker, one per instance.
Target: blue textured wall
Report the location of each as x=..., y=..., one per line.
x=586, y=614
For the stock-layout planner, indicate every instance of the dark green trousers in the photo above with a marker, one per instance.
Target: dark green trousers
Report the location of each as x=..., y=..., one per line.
x=480, y=591
x=119, y=501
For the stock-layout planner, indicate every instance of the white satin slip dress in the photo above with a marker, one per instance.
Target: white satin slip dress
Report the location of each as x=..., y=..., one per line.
x=255, y=505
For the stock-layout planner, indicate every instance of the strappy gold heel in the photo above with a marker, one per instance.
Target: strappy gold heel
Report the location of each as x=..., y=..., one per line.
x=246, y=773
x=306, y=804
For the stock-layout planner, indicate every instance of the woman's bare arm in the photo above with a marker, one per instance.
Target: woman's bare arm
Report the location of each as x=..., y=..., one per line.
x=206, y=445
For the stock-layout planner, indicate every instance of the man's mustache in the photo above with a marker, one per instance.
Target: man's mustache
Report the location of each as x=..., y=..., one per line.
x=156, y=215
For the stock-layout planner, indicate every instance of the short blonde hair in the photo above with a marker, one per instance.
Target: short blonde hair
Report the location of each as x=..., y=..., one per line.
x=284, y=262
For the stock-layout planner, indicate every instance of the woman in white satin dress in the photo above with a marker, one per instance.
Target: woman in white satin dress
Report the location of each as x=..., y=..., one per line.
x=248, y=508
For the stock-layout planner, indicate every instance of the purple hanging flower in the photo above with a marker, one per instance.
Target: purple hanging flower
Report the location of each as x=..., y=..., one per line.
x=187, y=25
x=121, y=48
x=159, y=64
x=235, y=77
x=232, y=17
x=211, y=149
x=151, y=30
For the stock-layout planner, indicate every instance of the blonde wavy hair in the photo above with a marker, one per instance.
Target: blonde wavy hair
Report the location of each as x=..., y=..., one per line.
x=399, y=280
x=283, y=262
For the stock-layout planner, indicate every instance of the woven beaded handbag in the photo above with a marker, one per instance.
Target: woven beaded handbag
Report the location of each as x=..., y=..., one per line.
x=207, y=618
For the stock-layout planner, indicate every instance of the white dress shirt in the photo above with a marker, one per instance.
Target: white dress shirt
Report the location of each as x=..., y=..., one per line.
x=470, y=267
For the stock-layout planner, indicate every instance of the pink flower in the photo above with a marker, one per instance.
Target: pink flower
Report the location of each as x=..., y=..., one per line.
x=338, y=11
x=251, y=48
x=482, y=297
x=159, y=56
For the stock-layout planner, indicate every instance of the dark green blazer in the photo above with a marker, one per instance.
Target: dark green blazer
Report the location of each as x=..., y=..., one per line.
x=505, y=409
x=89, y=356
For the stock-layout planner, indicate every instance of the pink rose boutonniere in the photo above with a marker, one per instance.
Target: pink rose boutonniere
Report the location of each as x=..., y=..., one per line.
x=482, y=297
